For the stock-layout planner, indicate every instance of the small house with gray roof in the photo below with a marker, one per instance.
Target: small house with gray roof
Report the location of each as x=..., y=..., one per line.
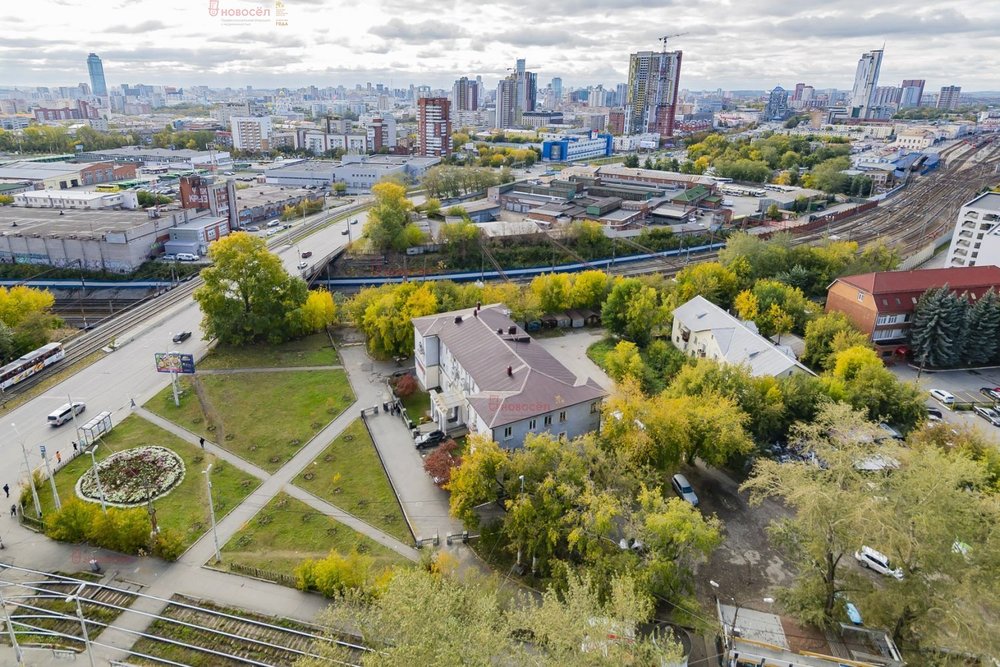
x=702, y=329
x=486, y=374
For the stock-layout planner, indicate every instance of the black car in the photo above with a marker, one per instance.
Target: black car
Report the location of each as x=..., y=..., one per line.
x=307, y=254
x=429, y=439
x=182, y=336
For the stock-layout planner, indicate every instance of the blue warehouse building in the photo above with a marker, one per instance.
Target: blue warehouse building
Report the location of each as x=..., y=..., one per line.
x=574, y=147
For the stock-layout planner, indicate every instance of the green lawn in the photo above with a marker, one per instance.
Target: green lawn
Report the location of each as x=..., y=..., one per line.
x=599, y=350
x=185, y=509
x=314, y=350
x=417, y=404
x=263, y=417
x=287, y=532
x=348, y=474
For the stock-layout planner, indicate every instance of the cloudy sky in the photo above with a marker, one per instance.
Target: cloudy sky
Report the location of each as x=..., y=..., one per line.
x=728, y=44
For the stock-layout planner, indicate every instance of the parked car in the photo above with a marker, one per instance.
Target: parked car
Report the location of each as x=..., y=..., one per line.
x=274, y=223
x=169, y=258
x=945, y=397
x=253, y=228
x=431, y=439
x=187, y=257
x=182, y=336
x=683, y=489
x=302, y=265
x=991, y=392
x=307, y=254
x=989, y=414
x=875, y=560
x=934, y=415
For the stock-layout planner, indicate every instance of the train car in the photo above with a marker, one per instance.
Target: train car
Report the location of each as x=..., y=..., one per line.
x=31, y=363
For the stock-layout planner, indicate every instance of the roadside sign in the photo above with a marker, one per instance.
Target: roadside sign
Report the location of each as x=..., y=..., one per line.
x=174, y=362
x=42, y=447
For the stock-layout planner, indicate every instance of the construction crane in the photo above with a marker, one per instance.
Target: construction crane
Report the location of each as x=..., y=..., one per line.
x=666, y=37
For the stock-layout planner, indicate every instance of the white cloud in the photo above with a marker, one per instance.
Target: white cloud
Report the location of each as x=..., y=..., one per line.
x=727, y=44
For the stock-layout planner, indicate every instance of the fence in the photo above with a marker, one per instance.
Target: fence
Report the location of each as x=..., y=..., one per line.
x=276, y=577
x=925, y=253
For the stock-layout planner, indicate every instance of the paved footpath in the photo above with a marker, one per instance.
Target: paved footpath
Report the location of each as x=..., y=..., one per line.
x=424, y=505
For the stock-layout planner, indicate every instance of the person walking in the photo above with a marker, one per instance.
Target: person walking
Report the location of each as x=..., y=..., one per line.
x=132, y=402
x=6, y=489
x=13, y=510
x=75, y=446
x=201, y=441
x=58, y=457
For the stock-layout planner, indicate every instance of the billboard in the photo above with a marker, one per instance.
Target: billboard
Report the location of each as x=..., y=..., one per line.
x=174, y=362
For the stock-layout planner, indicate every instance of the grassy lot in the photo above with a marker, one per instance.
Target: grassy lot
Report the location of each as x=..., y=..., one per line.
x=417, y=405
x=599, y=350
x=287, y=532
x=263, y=417
x=185, y=509
x=348, y=474
x=314, y=350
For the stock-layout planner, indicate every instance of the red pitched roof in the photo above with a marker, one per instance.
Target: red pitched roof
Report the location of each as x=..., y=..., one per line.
x=958, y=278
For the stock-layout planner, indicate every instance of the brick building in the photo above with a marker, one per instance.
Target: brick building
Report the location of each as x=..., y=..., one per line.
x=882, y=304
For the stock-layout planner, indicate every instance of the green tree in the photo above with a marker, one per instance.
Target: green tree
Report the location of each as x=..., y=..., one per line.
x=633, y=311
x=625, y=361
x=833, y=504
x=820, y=332
x=340, y=188
x=386, y=317
x=711, y=280
x=589, y=290
x=631, y=161
x=388, y=216
x=552, y=291
x=432, y=207
x=983, y=324
x=936, y=335
x=773, y=212
x=247, y=294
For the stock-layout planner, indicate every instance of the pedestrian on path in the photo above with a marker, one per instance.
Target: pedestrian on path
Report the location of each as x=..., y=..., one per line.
x=6, y=489
x=132, y=402
x=58, y=457
x=75, y=448
x=13, y=510
x=201, y=441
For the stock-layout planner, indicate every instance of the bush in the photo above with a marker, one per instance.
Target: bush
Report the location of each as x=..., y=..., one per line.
x=441, y=462
x=335, y=574
x=406, y=386
x=72, y=522
x=168, y=544
x=124, y=530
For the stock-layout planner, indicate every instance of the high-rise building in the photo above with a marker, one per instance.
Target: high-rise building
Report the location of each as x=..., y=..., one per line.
x=96, y=69
x=251, y=133
x=434, y=126
x=910, y=93
x=506, y=107
x=949, y=96
x=797, y=95
x=651, y=102
x=777, y=104
x=465, y=95
x=865, y=81
x=557, y=89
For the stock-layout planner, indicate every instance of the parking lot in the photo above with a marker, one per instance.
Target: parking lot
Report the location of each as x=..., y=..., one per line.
x=964, y=385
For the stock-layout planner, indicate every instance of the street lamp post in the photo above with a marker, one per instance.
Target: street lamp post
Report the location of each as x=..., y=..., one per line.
x=31, y=477
x=211, y=512
x=52, y=478
x=97, y=478
x=75, y=597
x=10, y=629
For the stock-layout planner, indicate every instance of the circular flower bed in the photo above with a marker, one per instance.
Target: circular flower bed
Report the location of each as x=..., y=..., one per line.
x=133, y=476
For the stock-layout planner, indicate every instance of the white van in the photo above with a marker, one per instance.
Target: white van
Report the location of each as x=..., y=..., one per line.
x=66, y=412
x=186, y=257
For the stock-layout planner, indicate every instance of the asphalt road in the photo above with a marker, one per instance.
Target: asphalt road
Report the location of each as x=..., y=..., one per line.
x=128, y=373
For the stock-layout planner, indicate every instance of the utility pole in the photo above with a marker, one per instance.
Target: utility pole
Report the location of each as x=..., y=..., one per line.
x=211, y=512
x=31, y=477
x=76, y=425
x=52, y=479
x=10, y=629
x=97, y=478
x=152, y=510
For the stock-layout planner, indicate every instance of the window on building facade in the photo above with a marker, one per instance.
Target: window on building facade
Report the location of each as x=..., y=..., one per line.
x=595, y=407
x=562, y=416
x=547, y=421
x=861, y=296
x=507, y=432
x=532, y=424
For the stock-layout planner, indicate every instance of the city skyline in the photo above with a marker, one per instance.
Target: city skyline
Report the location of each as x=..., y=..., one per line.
x=331, y=42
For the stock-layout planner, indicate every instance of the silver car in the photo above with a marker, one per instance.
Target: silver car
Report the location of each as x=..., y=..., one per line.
x=989, y=414
x=683, y=489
